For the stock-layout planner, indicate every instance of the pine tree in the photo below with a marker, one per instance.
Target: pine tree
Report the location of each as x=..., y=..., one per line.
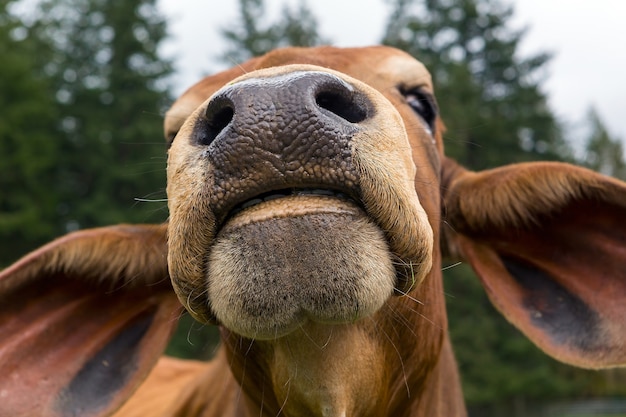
x=296, y=27
x=491, y=98
x=28, y=170
x=109, y=86
x=603, y=153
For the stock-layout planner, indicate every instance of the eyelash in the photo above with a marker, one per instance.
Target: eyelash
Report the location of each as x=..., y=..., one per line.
x=422, y=104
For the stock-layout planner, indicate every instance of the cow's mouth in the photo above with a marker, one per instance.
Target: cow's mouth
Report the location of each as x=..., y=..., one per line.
x=292, y=193
x=286, y=257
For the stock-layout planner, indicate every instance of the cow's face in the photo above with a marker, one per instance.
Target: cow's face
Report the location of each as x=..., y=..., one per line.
x=293, y=190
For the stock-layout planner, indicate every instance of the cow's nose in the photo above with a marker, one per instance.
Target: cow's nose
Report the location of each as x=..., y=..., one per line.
x=277, y=110
x=288, y=131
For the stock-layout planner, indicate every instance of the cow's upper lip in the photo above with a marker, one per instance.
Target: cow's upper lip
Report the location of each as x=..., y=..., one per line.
x=289, y=192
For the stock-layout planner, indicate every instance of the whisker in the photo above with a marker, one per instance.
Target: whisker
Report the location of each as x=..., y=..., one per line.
x=189, y=334
x=148, y=200
x=445, y=268
x=243, y=378
x=188, y=306
x=404, y=376
x=449, y=225
x=237, y=64
x=262, y=400
x=405, y=294
x=288, y=385
x=320, y=347
x=249, y=346
x=400, y=318
x=427, y=319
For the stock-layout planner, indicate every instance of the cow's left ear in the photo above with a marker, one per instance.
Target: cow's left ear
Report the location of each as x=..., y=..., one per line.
x=548, y=241
x=82, y=321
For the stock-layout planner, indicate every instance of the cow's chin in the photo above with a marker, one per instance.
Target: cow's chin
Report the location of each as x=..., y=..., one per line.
x=280, y=264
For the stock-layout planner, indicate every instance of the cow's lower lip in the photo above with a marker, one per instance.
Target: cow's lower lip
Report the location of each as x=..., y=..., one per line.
x=282, y=262
x=297, y=204
x=278, y=194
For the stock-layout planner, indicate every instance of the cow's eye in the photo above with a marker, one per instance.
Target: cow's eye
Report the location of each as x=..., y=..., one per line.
x=423, y=104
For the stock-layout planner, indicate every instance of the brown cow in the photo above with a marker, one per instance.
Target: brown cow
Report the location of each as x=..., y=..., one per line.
x=311, y=204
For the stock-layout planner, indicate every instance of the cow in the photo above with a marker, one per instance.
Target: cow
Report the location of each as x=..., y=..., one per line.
x=311, y=207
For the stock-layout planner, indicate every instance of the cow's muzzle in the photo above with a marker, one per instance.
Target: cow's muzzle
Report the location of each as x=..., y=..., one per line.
x=291, y=201
x=289, y=134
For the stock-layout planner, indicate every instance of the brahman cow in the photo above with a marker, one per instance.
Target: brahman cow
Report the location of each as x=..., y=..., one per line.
x=310, y=207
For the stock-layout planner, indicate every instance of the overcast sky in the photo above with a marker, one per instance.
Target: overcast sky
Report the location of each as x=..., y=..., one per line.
x=588, y=39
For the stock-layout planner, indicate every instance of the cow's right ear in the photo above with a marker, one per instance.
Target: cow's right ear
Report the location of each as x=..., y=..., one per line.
x=83, y=320
x=548, y=241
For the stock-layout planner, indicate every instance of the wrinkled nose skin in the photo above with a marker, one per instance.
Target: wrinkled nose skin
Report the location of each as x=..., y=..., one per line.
x=290, y=130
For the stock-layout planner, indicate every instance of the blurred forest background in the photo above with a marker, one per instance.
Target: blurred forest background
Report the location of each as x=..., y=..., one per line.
x=83, y=90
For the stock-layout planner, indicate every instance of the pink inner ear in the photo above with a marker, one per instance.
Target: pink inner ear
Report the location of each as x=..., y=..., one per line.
x=563, y=283
x=69, y=349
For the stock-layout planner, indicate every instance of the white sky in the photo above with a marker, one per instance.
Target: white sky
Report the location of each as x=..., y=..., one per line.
x=587, y=37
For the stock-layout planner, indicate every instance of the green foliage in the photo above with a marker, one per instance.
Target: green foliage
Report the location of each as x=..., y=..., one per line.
x=101, y=57
x=28, y=165
x=491, y=98
x=82, y=91
x=297, y=27
x=193, y=340
x=603, y=153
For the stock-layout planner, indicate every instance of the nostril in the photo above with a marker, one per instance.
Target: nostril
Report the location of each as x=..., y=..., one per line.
x=342, y=103
x=218, y=115
x=220, y=120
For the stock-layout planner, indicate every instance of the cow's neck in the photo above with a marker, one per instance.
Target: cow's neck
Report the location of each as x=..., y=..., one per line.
x=319, y=370
x=361, y=369
x=330, y=371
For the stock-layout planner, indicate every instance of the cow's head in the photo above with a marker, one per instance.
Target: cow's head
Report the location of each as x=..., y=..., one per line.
x=291, y=190
x=308, y=192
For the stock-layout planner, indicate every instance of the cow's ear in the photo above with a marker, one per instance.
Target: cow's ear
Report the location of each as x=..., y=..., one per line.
x=82, y=321
x=548, y=241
